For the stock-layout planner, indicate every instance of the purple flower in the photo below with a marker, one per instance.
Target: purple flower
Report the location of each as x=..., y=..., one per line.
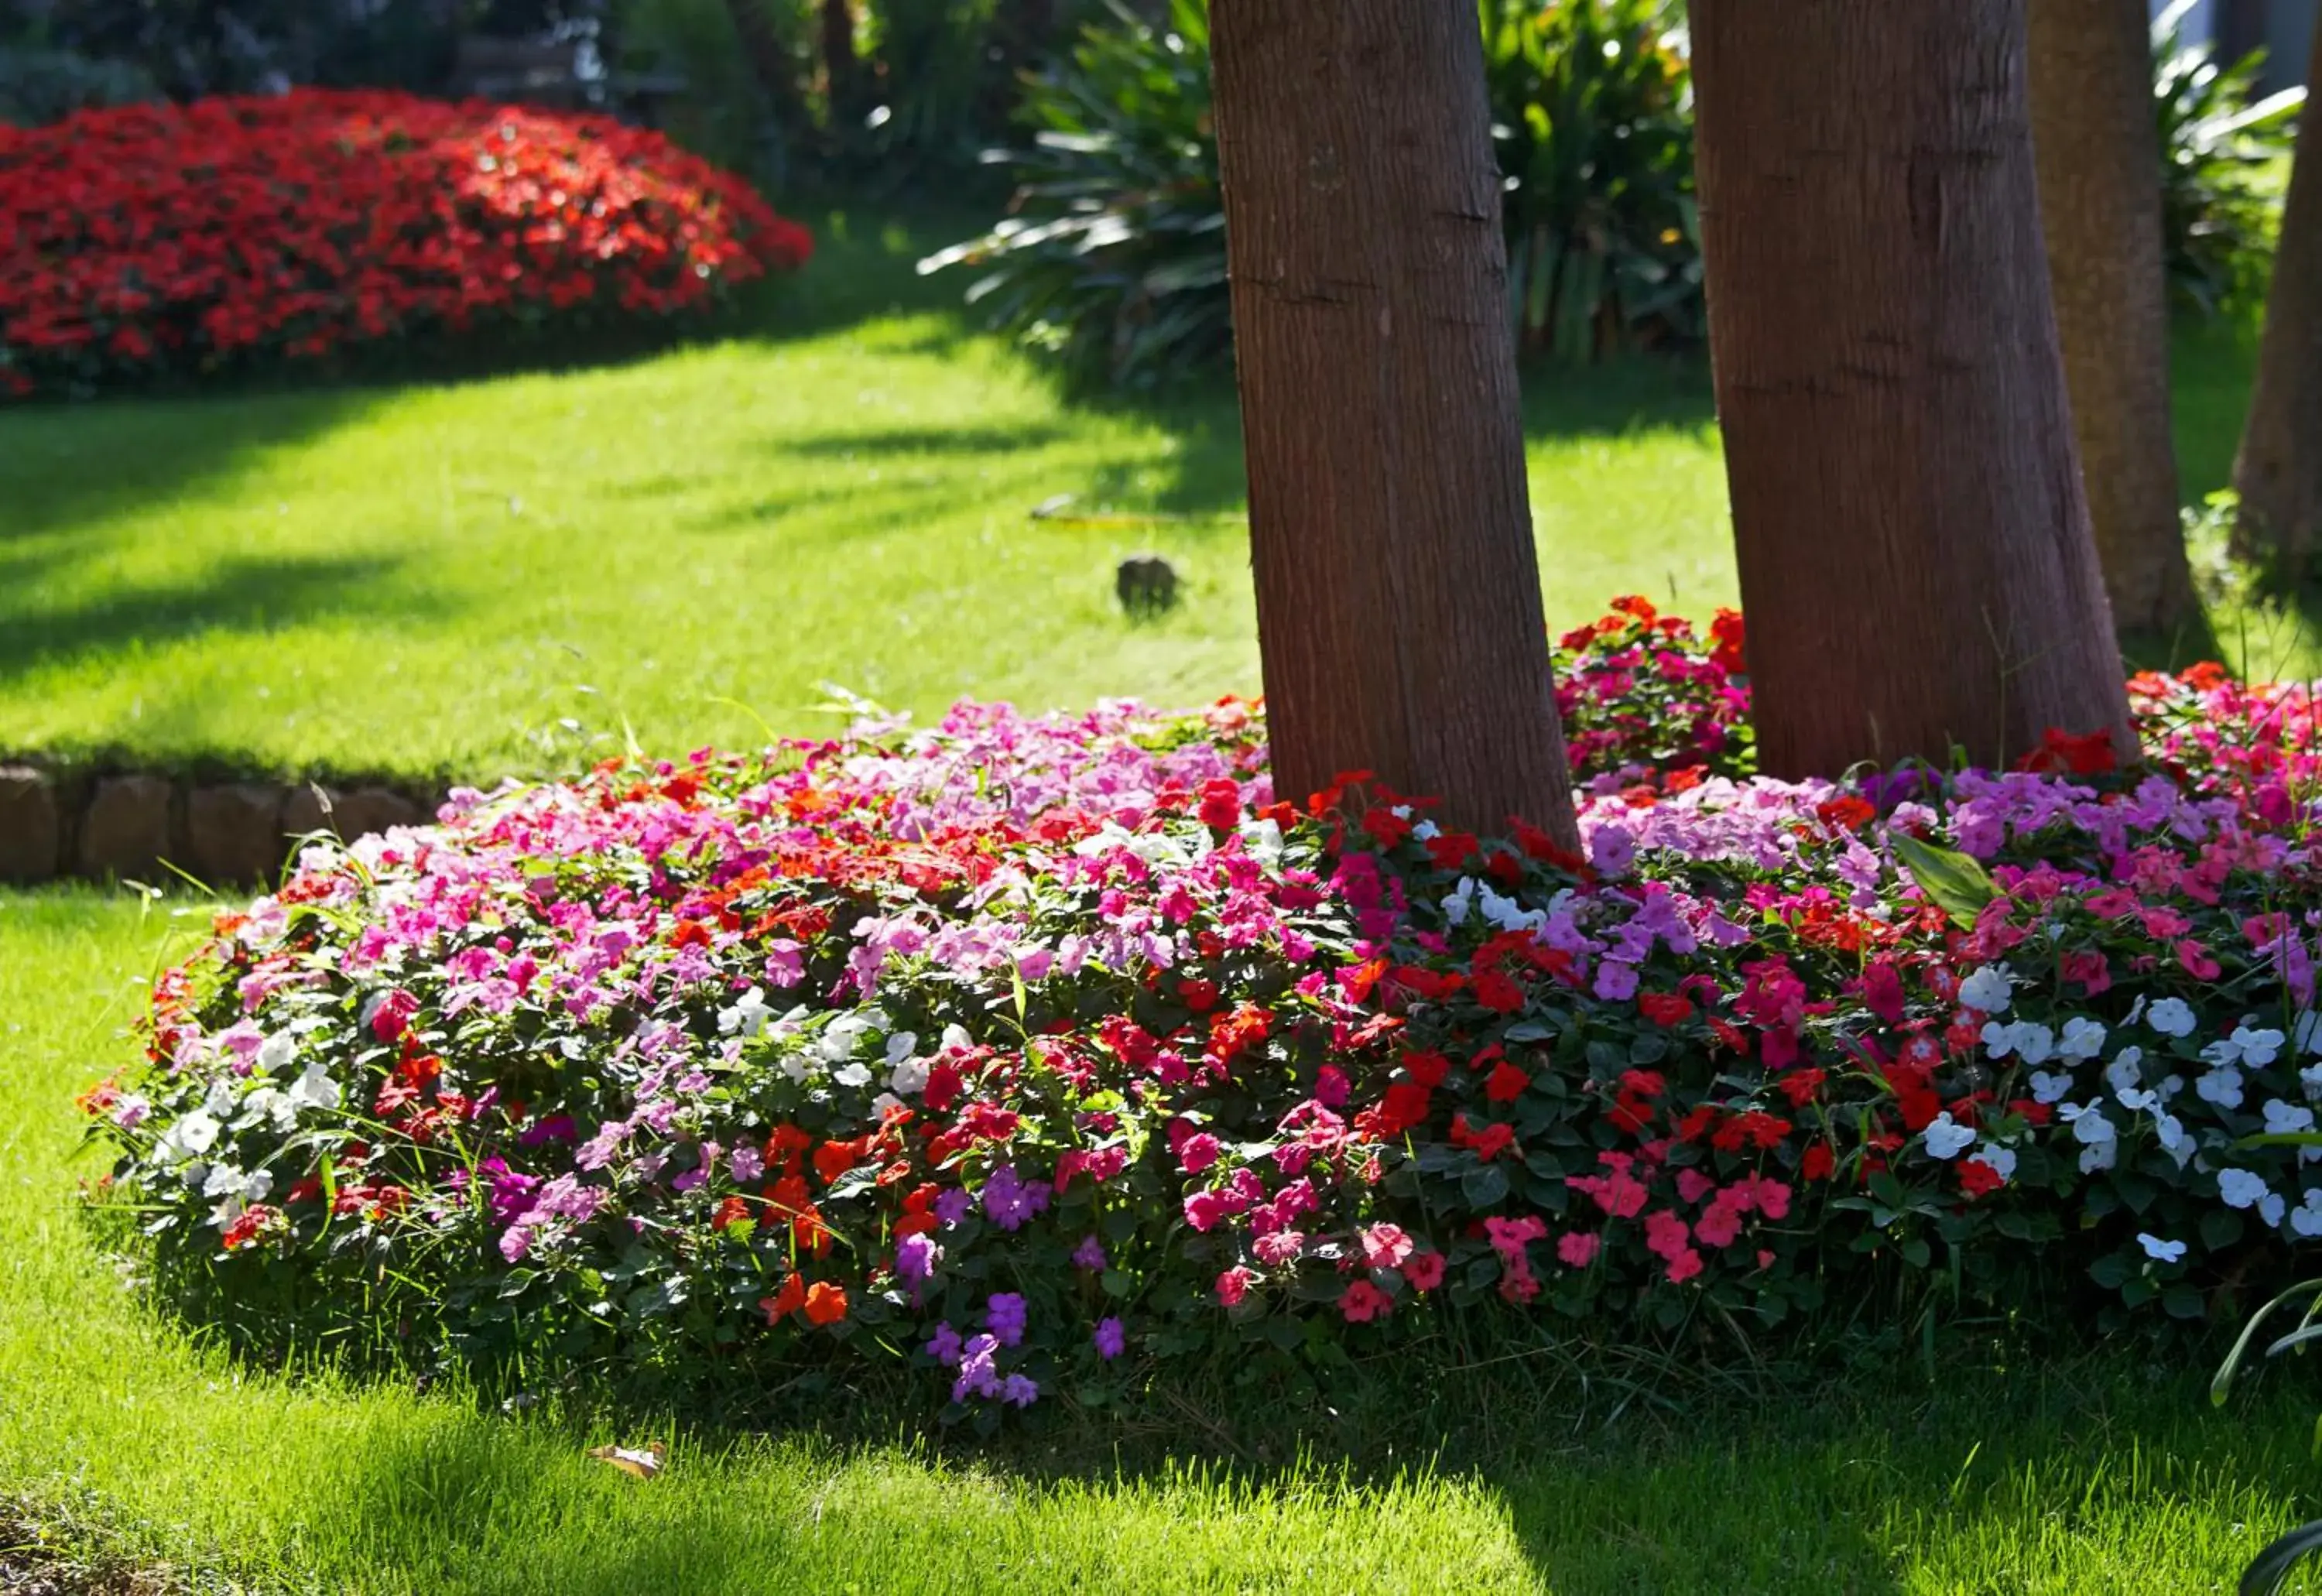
x=1009, y=1200
x=556, y=1128
x=747, y=1163
x=1004, y=1317
x=512, y=1193
x=1089, y=1254
x=1111, y=1340
x=952, y=1207
x=915, y=1259
x=1020, y=1390
x=944, y=1344
x=979, y=1370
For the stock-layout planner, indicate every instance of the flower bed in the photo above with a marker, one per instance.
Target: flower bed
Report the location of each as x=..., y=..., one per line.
x=1040, y=1053
x=147, y=239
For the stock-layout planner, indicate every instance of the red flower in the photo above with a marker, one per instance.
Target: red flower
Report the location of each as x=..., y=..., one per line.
x=1664, y=1009
x=1505, y=1084
x=826, y=1303
x=1363, y=1302
x=1488, y=1141
x=1976, y=1178
x=788, y=1300
x=1817, y=1162
x=1498, y=991
x=1754, y=1129
x=1423, y=1271
x=1220, y=803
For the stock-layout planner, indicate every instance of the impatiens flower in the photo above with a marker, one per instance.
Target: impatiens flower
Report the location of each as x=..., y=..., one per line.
x=1424, y=1271
x=1197, y=1152
x=2283, y=1119
x=826, y=1303
x=2221, y=1087
x=2239, y=1189
x=1111, y=1340
x=2172, y=1016
x=1233, y=1285
x=2254, y=1048
x=915, y=1259
x=1004, y=1317
x=1384, y=1246
x=1089, y=1255
x=1577, y=1248
x=1363, y=1302
x=2306, y=1218
x=2083, y=1038
x=1019, y=1390
x=2158, y=1250
x=1946, y=1138
x=1988, y=989
x=944, y=1344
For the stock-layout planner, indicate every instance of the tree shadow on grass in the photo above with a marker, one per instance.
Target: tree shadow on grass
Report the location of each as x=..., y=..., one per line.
x=69, y=466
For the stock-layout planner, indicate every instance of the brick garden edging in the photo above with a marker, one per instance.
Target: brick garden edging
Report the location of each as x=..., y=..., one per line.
x=63, y=823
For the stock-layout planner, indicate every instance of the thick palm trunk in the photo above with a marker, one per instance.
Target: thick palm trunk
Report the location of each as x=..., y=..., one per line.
x=1398, y=597
x=2278, y=472
x=2098, y=150
x=1914, y=542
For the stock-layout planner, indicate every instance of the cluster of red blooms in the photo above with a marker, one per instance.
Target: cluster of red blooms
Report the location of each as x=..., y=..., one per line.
x=151, y=239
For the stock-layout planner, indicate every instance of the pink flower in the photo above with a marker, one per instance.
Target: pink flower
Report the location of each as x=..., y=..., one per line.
x=1665, y=1234
x=1684, y=1266
x=1693, y=1185
x=1279, y=1247
x=1330, y=1086
x=1386, y=1246
x=1424, y=1271
x=1720, y=1223
x=1203, y=1209
x=1363, y=1302
x=1577, y=1248
x=1197, y=1152
x=1234, y=1285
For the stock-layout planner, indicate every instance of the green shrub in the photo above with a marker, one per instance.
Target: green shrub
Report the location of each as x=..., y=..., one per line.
x=1113, y=255
x=2223, y=150
x=38, y=86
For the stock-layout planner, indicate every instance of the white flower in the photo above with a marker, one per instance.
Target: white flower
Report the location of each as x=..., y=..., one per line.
x=909, y=1077
x=1460, y=900
x=1262, y=840
x=2083, y=1039
x=2173, y=1138
x=2125, y=1073
x=956, y=1039
x=2258, y=1047
x=1946, y=1138
x=193, y=1136
x=1988, y=989
x=277, y=1052
x=227, y=1212
x=2271, y=1208
x=1426, y=831
x=2159, y=1251
x=2101, y=1156
x=792, y=1064
x=2239, y=1189
x=2306, y=1218
x=2311, y=1079
x=746, y=1017
x=223, y=1095
x=2033, y=1043
x=2172, y=1016
x=2135, y=1100
x=884, y=1101
x=836, y=1042
x=1506, y=914
x=2286, y=1120
x=312, y=1089
x=2002, y=1160
x=225, y=1180
x=853, y=1075
x=2048, y=1088
x=2090, y=1125
x=902, y=1045
x=2221, y=1087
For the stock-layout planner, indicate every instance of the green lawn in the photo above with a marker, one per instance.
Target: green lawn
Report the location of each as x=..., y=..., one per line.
x=433, y=577
x=2087, y=1476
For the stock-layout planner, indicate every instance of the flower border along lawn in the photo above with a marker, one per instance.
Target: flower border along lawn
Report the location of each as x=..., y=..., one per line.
x=2089, y=1475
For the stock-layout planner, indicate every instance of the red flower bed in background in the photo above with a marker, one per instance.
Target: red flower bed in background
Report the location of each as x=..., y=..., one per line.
x=149, y=240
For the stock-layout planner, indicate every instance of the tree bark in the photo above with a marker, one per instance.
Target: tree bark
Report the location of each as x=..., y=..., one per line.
x=2278, y=471
x=2098, y=150
x=770, y=60
x=1914, y=543
x=842, y=71
x=1398, y=596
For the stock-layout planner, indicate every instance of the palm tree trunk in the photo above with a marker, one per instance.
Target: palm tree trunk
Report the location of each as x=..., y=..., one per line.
x=1915, y=549
x=770, y=60
x=2278, y=471
x=2098, y=149
x=1399, y=613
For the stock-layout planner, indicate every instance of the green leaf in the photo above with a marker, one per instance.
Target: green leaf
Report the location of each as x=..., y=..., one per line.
x=1953, y=881
x=1484, y=1185
x=2220, y=1229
